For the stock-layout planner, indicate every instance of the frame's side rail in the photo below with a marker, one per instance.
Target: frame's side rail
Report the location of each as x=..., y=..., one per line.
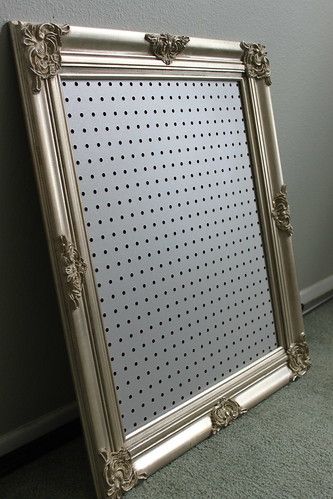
x=91, y=305
x=260, y=180
x=271, y=169
x=66, y=248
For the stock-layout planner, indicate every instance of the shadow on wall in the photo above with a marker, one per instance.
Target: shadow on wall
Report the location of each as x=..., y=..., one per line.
x=35, y=377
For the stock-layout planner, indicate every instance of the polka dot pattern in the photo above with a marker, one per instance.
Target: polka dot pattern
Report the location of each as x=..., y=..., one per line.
x=168, y=198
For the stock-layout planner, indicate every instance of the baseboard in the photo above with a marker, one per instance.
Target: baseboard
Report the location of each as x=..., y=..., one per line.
x=317, y=293
x=37, y=428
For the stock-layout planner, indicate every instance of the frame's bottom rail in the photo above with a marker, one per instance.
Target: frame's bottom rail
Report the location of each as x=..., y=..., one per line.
x=170, y=448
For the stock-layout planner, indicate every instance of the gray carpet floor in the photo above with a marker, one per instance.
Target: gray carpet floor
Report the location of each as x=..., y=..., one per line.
x=281, y=449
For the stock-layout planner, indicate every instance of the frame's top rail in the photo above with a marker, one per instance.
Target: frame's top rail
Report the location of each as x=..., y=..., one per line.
x=96, y=39
x=100, y=40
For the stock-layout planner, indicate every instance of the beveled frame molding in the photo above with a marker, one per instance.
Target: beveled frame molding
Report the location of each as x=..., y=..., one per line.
x=118, y=462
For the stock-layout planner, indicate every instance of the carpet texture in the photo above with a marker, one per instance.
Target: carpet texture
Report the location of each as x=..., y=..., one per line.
x=281, y=449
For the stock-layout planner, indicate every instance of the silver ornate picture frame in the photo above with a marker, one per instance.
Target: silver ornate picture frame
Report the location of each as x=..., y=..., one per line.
x=105, y=78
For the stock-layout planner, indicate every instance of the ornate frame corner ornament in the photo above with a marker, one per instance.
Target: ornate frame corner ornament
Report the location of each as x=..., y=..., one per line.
x=118, y=472
x=43, y=42
x=281, y=211
x=165, y=46
x=298, y=358
x=257, y=64
x=73, y=270
x=224, y=413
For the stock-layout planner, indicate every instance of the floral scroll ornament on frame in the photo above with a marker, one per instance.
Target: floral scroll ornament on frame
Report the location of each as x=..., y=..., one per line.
x=256, y=62
x=119, y=474
x=224, y=413
x=73, y=269
x=166, y=47
x=43, y=42
x=281, y=211
x=298, y=358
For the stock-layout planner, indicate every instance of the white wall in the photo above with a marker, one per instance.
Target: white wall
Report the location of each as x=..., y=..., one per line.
x=35, y=378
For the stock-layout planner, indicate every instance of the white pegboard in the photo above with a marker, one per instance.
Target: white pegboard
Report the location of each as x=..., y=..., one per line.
x=170, y=211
